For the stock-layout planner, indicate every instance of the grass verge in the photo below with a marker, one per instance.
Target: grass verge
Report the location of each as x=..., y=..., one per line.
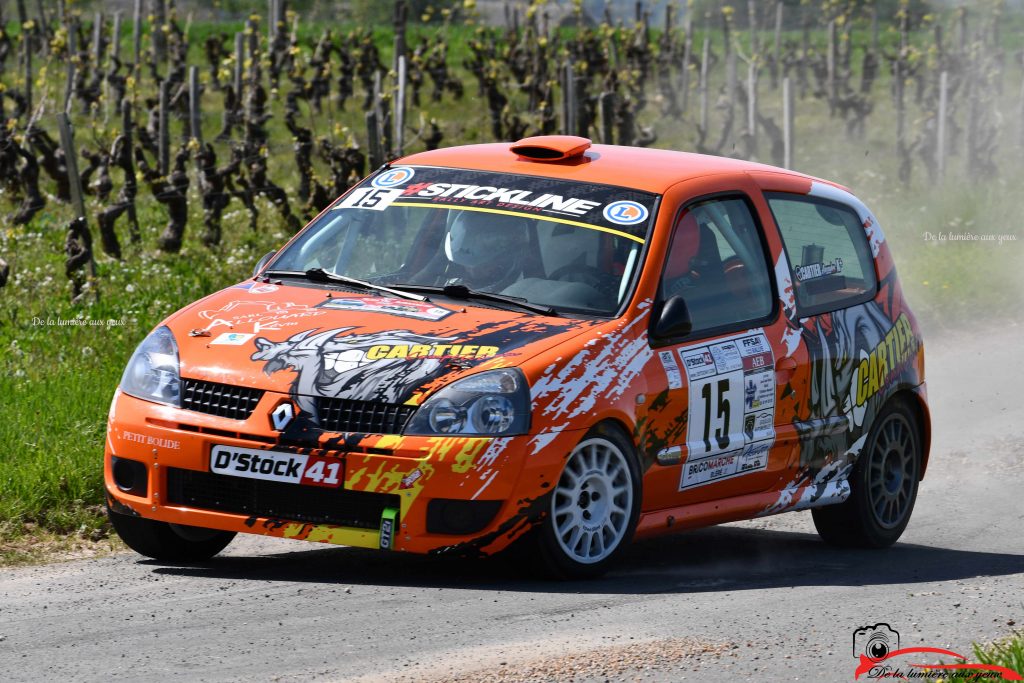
x=33, y=544
x=1008, y=652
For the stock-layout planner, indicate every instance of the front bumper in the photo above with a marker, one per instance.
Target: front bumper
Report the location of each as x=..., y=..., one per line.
x=441, y=494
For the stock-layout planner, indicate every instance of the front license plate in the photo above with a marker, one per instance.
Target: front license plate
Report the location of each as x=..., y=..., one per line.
x=290, y=468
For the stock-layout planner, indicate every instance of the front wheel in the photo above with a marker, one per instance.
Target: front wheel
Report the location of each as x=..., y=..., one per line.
x=883, y=486
x=169, y=542
x=594, y=508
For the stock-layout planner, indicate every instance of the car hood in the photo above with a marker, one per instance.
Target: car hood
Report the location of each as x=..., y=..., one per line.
x=314, y=341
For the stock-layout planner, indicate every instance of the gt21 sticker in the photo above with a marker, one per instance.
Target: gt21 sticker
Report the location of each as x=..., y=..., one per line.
x=403, y=308
x=290, y=468
x=731, y=425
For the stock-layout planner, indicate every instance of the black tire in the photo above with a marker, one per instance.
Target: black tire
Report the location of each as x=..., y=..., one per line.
x=883, y=485
x=169, y=542
x=601, y=483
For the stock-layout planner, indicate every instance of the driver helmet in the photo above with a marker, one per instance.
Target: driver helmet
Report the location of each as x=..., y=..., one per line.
x=488, y=246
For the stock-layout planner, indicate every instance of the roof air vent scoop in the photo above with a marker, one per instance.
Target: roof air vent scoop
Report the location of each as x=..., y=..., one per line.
x=550, y=147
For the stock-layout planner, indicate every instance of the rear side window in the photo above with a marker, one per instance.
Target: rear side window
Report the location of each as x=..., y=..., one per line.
x=827, y=250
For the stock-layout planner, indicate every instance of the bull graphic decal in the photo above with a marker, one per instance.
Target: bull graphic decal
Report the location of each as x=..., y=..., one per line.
x=335, y=364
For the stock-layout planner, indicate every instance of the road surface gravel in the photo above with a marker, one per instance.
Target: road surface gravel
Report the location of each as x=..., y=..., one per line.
x=762, y=600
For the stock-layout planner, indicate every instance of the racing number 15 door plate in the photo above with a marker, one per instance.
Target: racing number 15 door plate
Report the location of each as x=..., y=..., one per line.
x=732, y=408
x=289, y=468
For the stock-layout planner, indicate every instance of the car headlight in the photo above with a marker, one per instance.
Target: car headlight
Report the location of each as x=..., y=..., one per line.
x=152, y=373
x=493, y=403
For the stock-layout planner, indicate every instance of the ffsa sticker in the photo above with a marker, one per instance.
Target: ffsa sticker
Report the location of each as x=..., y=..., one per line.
x=731, y=425
x=369, y=198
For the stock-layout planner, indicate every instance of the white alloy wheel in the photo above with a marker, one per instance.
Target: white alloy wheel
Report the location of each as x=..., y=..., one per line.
x=593, y=502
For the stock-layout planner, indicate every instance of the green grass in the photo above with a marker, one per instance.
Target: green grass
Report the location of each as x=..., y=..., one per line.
x=56, y=381
x=1007, y=652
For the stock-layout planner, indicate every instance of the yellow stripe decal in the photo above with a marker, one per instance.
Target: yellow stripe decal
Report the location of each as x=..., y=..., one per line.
x=427, y=205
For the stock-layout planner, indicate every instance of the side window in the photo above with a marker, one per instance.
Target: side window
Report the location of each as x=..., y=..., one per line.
x=827, y=250
x=716, y=262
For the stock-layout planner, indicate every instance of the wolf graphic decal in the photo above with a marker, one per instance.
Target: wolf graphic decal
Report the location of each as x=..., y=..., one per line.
x=335, y=364
x=831, y=436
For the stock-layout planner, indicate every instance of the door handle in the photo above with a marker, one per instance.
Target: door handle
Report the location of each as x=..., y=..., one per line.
x=784, y=369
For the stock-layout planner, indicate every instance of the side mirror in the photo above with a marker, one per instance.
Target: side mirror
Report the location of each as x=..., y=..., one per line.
x=262, y=263
x=674, y=320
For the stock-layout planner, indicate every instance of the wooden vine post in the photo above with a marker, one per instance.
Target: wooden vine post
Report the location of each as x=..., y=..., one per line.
x=400, y=108
x=157, y=30
x=137, y=38
x=684, y=75
x=787, y=123
x=69, y=86
x=940, y=126
x=608, y=118
x=26, y=57
x=78, y=245
x=777, y=47
x=129, y=169
x=239, y=64
x=195, y=119
x=704, y=56
x=115, y=38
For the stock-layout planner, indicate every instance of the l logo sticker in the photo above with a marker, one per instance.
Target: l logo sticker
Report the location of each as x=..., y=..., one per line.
x=282, y=416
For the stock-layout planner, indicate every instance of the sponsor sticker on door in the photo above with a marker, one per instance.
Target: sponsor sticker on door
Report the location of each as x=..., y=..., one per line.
x=672, y=374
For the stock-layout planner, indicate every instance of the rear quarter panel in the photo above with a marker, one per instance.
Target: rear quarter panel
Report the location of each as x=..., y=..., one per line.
x=859, y=358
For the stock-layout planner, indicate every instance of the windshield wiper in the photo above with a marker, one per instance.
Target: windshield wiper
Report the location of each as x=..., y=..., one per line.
x=465, y=293
x=321, y=275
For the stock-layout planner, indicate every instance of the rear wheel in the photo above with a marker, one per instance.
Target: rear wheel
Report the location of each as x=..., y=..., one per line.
x=594, y=507
x=883, y=485
x=169, y=542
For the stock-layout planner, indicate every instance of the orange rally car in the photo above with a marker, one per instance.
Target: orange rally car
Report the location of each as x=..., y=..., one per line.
x=550, y=342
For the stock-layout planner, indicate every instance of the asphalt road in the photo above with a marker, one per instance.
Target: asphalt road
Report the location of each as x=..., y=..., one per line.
x=762, y=600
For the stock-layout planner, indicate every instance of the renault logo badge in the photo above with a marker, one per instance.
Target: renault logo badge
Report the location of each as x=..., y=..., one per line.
x=282, y=416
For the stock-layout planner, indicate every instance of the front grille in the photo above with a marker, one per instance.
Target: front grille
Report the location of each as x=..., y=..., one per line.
x=222, y=400
x=295, y=502
x=368, y=417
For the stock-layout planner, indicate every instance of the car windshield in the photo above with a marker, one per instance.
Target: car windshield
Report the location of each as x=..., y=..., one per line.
x=569, y=246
